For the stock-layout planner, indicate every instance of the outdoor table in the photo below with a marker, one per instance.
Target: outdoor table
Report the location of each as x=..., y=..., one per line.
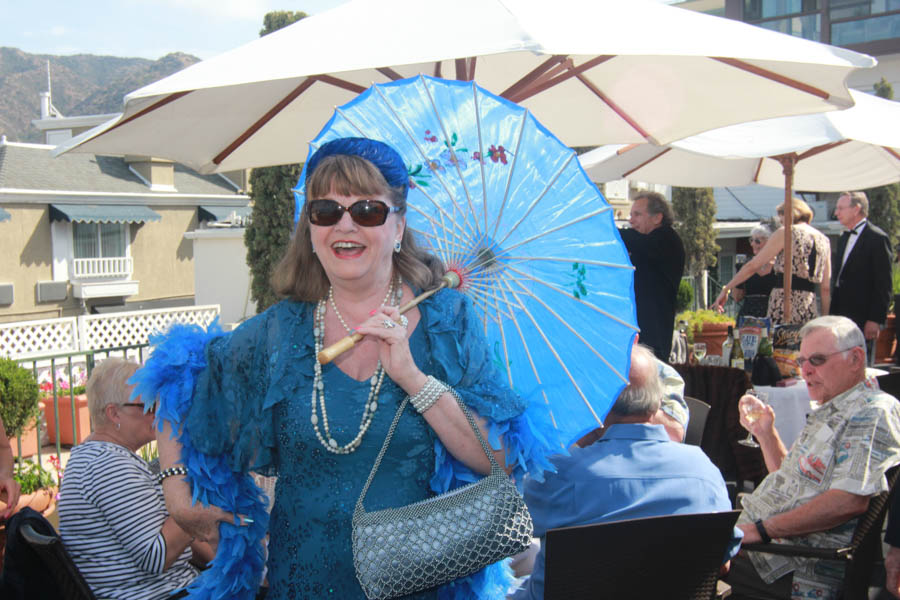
x=721, y=388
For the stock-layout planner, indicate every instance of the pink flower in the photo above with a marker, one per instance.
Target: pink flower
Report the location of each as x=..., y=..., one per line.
x=57, y=466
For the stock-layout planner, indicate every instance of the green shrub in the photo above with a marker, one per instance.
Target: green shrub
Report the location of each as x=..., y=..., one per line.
x=18, y=397
x=149, y=452
x=696, y=318
x=33, y=477
x=684, y=299
x=895, y=280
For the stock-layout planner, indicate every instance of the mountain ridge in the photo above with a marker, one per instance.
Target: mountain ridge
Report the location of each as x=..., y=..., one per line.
x=82, y=84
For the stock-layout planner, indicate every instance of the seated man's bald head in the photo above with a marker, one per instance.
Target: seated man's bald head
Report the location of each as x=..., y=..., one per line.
x=642, y=396
x=643, y=366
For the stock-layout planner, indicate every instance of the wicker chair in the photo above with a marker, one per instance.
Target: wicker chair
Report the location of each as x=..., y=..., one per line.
x=860, y=556
x=639, y=558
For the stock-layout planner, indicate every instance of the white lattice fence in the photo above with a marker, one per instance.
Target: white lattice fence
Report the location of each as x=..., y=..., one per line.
x=132, y=328
x=28, y=338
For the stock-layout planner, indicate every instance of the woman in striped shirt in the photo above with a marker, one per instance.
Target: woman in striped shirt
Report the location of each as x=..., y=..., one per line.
x=112, y=515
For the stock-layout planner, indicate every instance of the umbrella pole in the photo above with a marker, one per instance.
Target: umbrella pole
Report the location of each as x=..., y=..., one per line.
x=787, y=166
x=451, y=279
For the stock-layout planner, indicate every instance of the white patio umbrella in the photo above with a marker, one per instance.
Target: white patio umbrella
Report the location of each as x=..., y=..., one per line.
x=827, y=152
x=593, y=72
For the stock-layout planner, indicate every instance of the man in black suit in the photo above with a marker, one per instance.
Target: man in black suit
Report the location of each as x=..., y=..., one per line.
x=861, y=280
x=657, y=254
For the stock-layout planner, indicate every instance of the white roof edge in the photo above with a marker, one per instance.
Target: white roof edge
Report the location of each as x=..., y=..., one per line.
x=224, y=233
x=28, y=145
x=68, y=122
x=115, y=197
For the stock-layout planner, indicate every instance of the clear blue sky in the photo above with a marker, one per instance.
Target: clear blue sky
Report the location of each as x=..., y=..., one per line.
x=142, y=28
x=139, y=28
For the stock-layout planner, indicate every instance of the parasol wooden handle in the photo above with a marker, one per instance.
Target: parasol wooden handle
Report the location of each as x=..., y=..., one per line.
x=449, y=280
x=339, y=347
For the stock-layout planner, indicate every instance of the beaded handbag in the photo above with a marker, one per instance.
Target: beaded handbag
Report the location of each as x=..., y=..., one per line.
x=398, y=551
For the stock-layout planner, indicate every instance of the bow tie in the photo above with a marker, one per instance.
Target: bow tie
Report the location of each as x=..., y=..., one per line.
x=855, y=230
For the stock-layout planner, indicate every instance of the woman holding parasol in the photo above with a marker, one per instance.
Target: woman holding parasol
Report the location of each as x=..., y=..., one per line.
x=258, y=399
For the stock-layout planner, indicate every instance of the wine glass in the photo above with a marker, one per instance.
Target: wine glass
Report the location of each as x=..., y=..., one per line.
x=699, y=351
x=752, y=411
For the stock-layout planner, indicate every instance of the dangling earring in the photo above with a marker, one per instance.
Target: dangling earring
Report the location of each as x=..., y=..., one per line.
x=313, y=246
x=397, y=246
x=118, y=425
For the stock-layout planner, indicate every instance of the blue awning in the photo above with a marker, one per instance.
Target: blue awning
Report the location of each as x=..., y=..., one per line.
x=222, y=213
x=4, y=216
x=103, y=213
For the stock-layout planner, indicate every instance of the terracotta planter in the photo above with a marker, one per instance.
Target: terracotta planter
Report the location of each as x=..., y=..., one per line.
x=30, y=440
x=69, y=433
x=714, y=334
x=884, y=344
x=42, y=501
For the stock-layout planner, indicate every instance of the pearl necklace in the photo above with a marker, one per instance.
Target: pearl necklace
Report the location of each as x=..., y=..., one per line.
x=340, y=317
x=318, y=392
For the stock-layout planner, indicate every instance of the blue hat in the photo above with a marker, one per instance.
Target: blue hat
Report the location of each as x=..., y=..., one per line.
x=386, y=159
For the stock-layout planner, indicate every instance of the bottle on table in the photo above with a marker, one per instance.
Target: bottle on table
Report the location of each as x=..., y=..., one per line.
x=765, y=370
x=727, y=346
x=737, y=351
x=765, y=344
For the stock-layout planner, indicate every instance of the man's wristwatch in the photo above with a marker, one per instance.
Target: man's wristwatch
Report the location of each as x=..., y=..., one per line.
x=762, y=532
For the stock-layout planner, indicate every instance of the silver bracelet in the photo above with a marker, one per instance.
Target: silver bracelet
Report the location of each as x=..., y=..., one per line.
x=170, y=472
x=428, y=395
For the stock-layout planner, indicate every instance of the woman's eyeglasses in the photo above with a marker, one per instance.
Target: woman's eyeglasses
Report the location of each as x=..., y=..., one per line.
x=757, y=241
x=366, y=213
x=141, y=405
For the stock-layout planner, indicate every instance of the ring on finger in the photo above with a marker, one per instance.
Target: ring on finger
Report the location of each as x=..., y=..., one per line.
x=388, y=324
x=403, y=321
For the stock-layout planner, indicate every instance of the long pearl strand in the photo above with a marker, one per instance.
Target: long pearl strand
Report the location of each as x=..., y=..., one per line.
x=318, y=392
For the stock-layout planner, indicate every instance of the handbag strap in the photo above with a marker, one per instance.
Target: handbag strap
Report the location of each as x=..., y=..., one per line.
x=495, y=468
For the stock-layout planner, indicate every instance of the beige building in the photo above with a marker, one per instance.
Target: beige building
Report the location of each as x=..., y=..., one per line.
x=86, y=234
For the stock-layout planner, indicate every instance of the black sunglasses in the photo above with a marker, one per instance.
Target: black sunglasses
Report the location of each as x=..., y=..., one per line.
x=366, y=213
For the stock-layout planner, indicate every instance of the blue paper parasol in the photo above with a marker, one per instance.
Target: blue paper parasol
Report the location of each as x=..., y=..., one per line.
x=503, y=202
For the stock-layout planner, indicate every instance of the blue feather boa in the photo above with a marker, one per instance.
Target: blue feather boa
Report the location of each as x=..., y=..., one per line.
x=235, y=572
x=170, y=376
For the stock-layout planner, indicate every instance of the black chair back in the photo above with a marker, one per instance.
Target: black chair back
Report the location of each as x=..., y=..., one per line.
x=867, y=542
x=890, y=383
x=699, y=411
x=676, y=557
x=57, y=561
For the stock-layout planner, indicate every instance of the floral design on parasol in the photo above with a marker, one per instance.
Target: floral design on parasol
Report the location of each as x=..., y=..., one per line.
x=510, y=210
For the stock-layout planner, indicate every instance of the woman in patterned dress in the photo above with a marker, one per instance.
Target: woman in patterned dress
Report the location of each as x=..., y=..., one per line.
x=811, y=265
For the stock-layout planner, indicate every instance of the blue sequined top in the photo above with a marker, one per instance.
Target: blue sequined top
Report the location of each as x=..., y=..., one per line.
x=251, y=407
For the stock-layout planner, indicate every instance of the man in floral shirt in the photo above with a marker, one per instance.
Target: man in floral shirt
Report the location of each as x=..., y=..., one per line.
x=815, y=492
